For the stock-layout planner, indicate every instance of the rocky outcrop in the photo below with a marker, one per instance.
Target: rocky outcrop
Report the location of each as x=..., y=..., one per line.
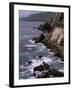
x=44, y=71
x=58, y=36
x=39, y=39
x=55, y=38
x=55, y=73
x=57, y=20
x=43, y=67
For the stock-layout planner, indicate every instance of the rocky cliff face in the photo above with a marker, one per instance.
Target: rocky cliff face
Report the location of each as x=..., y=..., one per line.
x=58, y=36
x=55, y=37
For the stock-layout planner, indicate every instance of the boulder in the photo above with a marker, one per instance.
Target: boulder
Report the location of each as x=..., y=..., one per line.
x=39, y=68
x=42, y=67
x=42, y=74
x=55, y=73
x=46, y=66
x=39, y=39
x=29, y=62
x=40, y=56
x=41, y=27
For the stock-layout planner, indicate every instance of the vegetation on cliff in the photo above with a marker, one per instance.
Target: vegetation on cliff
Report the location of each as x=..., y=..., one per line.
x=42, y=16
x=55, y=37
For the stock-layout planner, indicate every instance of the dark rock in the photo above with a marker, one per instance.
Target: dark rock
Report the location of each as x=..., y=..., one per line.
x=48, y=74
x=41, y=27
x=34, y=27
x=46, y=66
x=42, y=74
x=43, y=67
x=56, y=73
x=39, y=39
x=45, y=27
x=40, y=56
x=39, y=68
x=29, y=62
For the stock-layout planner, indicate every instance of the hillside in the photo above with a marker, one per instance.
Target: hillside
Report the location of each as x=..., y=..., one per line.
x=43, y=16
x=55, y=37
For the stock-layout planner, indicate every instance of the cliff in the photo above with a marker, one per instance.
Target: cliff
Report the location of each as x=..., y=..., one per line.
x=42, y=16
x=55, y=37
x=58, y=36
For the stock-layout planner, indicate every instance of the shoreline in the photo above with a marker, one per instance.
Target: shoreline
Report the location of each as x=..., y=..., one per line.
x=50, y=45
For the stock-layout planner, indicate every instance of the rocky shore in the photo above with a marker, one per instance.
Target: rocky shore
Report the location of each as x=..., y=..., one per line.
x=53, y=40
x=44, y=71
x=55, y=37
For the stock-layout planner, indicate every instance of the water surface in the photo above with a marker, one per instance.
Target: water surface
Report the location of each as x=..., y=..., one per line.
x=29, y=51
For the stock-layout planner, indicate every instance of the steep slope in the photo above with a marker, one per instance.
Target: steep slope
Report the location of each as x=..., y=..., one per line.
x=43, y=16
x=55, y=37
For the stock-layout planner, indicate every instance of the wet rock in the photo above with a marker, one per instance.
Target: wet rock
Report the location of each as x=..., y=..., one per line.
x=29, y=62
x=40, y=56
x=46, y=66
x=39, y=39
x=43, y=67
x=39, y=68
x=55, y=73
x=41, y=27
x=43, y=71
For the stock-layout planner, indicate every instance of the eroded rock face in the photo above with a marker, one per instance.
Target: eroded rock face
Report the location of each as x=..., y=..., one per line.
x=39, y=39
x=43, y=67
x=48, y=74
x=55, y=73
x=58, y=36
x=44, y=71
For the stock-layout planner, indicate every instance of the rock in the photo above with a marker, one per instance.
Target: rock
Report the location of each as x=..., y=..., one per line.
x=40, y=56
x=55, y=73
x=39, y=68
x=42, y=74
x=29, y=62
x=46, y=66
x=45, y=27
x=39, y=39
x=43, y=67
x=34, y=27
x=43, y=71
x=41, y=27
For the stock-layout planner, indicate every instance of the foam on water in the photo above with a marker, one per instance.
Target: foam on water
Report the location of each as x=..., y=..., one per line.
x=37, y=62
x=30, y=45
x=26, y=36
x=29, y=48
x=52, y=53
x=31, y=41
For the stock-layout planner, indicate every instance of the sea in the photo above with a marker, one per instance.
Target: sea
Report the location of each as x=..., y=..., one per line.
x=29, y=51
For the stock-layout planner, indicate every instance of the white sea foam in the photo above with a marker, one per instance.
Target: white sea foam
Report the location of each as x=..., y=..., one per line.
x=60, y=61
x=37, y=62
x=29, y=48
x=52, y=53
x=49, y=50
x=41, y=45
x=31, y=41
x=47, y=60
x=25, y=36
x=30, y=45
x=22, y=66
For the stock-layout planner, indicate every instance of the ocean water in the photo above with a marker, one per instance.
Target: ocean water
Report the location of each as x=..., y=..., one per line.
x=29, y=51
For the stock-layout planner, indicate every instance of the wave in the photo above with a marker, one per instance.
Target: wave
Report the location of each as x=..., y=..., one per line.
x=30, y=45
x=31, y=41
